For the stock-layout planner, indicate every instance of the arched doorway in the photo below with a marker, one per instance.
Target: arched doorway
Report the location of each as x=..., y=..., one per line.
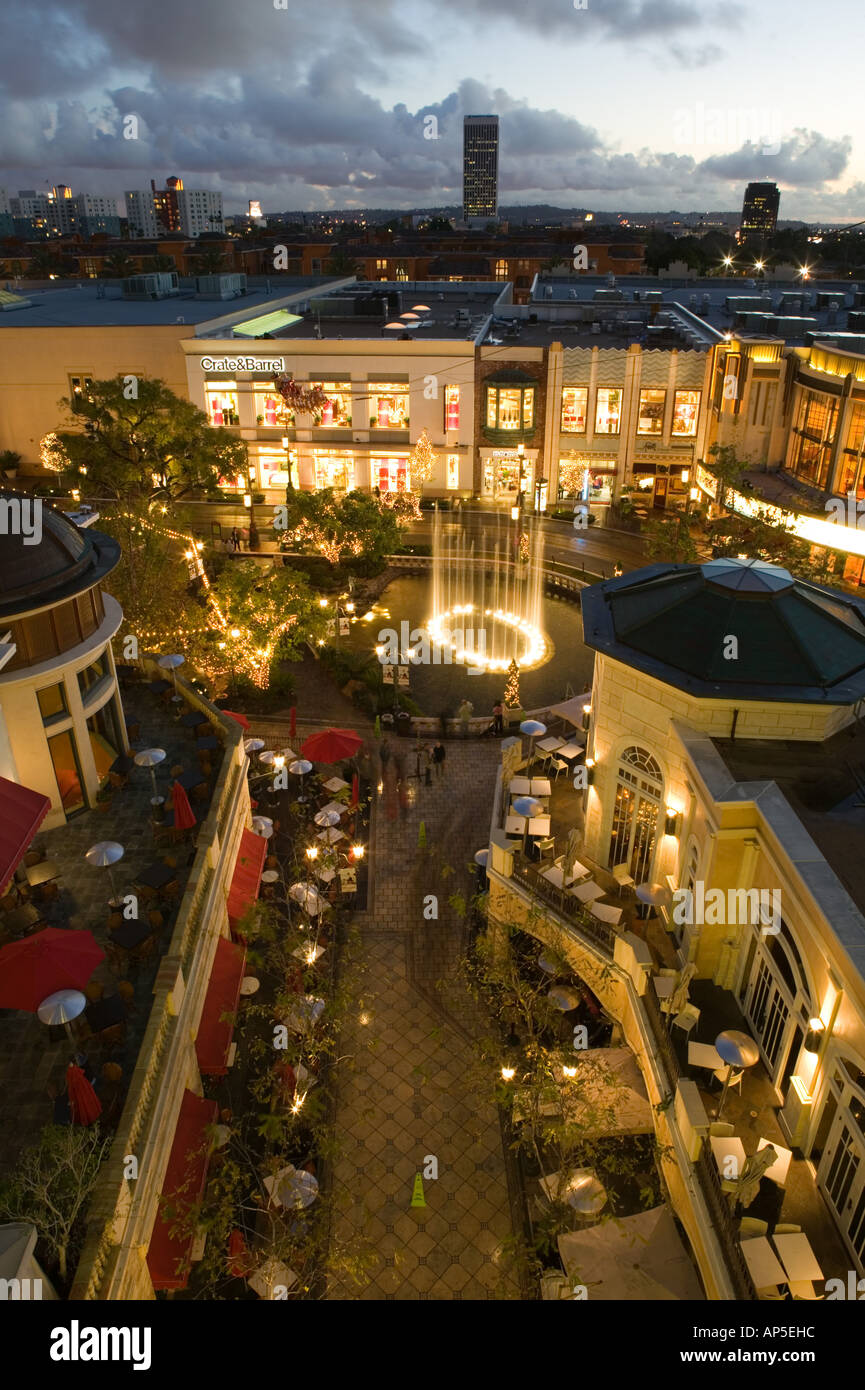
x=776, y=1000
x=839, y=1152
x=636, y=811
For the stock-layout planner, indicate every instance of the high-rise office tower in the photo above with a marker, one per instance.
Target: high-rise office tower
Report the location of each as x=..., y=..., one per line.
x=480, y=168
x=760, y=208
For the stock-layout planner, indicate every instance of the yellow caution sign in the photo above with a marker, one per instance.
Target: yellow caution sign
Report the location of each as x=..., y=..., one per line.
x=417, y=1197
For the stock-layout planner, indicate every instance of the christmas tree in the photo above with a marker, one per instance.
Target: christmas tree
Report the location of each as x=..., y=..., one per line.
x=512, y=688
x=421, y=461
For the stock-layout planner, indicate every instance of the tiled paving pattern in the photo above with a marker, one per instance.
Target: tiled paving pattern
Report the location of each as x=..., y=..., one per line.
x=29, y=1060
x=409, y=1091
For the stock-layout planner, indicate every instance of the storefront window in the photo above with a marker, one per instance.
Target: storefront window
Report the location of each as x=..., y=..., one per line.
x=813, y=437
x=269, y=408
x=390, y=474
x=334, y=470
x=272, y=469
x=52, y=703
x=453, y=471
x=388, y=407
x=510, y=407
x=64, y=757
x=854, y=464
x=104, y=739
x=336, y=411
x=452, y=407
x=574, y=402
x=651, y=417
x=222, y=402
x=92, y=675
x=508, y=475
x=686, y=408
x=608, y=412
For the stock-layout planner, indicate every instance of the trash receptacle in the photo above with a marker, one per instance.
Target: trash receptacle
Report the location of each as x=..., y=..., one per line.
x=403, y=724
x=387, y=723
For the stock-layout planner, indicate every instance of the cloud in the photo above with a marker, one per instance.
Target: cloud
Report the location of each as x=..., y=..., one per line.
x=805, y=159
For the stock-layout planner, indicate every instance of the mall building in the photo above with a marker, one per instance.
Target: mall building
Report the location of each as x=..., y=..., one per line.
x=733, y=774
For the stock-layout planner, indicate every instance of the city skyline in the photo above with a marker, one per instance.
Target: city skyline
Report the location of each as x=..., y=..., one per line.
x=621, y=105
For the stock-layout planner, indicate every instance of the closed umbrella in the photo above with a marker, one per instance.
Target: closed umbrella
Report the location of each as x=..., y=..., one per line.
x=184, y=816
x=679, y=998
x=292, y=721
x=355, y=790
x=748, y=1184
x=331, y=745
x=50, y=960
x=85, y=1106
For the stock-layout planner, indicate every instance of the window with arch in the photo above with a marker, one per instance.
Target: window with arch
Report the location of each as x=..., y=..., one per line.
x=636, y=809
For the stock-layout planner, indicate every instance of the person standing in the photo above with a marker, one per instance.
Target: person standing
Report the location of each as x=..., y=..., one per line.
x=498, y=717
x=235, y=538
x=438, y=757
x=464, y=714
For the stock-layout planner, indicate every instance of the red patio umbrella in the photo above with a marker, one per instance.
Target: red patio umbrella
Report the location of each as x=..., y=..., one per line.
x=241, y=718
x=355, y=789
x=41, y=964
x=85, y=1107
x=184, y=816
x=331, y=745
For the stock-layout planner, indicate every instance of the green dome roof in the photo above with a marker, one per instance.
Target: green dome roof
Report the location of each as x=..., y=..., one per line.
x=794, y=641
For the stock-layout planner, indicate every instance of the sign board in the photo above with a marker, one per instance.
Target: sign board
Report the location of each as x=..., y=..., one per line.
x=265, y=365
x=402, y=673
x=387, y=675
x=348, y=880
x=344, y=627
x=706, y=481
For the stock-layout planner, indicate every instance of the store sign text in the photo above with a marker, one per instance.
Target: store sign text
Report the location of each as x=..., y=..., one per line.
x=243, y=364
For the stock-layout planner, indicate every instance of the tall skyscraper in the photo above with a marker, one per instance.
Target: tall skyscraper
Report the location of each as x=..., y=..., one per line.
x=760, y=209
x=174, y=209
x=480, y=168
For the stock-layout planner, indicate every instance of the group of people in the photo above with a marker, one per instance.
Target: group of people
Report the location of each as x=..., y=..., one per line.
x=467, y=709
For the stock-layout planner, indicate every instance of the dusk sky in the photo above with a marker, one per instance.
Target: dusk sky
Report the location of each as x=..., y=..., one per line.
x=652, y=104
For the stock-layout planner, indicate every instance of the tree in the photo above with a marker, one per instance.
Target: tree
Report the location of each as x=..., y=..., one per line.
x=45, y=262
x=161, y=263
x=341, y=528
x=209, y=261
x=118, y=266
x=258, y=616
x=152, y=582
x=341, y=262
x=422, y=461
x=669, y=538
x=725, y=464
x=52, y=1183
x=512, y=686
x=766, y=536
x=139, y=441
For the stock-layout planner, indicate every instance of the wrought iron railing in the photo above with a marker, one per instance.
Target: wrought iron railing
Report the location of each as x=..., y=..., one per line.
x=599, y=934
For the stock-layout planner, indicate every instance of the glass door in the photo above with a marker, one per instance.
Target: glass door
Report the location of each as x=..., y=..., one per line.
x=67, y=770
x=842, y=1177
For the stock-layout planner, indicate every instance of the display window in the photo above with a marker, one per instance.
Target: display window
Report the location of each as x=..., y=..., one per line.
x=510, y=407
x=334, y=470
x=608, y=411
x=222, y=403
x=453, y=471
x=270, y=408
x=388, y=407
x=574, y=404
x=686, y=411
x=452, y=407
x=390, y=474
x=336, y=411
x=651, y=417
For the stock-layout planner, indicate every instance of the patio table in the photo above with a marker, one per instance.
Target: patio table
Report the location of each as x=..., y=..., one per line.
x=704, y=1055
x=549, y=745
x=587, y=892
x=762, y=1262
x=335, y=784
x=20, y=919
x=797, y=1257
x=159, y=687
x=330, y=836
x=541, y=786
x=779, y=1169
x=665, y=985
x=105, y=1013
x=515, y=825
x=539, y=825
x=190, y=780
x=131, y=934
x=725, y=1147
x=37, y=874
x=605, y=912
x=338, y=806
x=193, y=719
x=555, y=874
x=520, y=786
x=122, y=765
x=156, y=875
x=569, y=751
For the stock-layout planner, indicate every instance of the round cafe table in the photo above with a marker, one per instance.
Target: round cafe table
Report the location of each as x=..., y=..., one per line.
x=249, y=985
x=652, y=896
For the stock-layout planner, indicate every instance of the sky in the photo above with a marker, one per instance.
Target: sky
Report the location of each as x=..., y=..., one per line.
x=607, y=104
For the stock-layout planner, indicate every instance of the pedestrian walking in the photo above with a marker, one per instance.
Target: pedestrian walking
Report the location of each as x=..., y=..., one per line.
x=384, y=753
x=235, y=538
x=498, y=718
x=464, y=714
x=438, y=757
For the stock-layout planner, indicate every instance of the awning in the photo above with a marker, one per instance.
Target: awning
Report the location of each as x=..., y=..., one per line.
x=247, y=875
x=168, y=1255
x=572, y=710
x=21, y=814
x=223, y=993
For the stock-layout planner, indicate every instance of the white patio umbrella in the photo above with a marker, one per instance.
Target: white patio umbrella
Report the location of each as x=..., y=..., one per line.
x=62, y=1007
x=300, y=767
x=102, y=856
x=309, y=898
x=151, y=758
x=263, y=826
x=563, y=997
x=325, y=817
x=636, y=1258
x=171, y=663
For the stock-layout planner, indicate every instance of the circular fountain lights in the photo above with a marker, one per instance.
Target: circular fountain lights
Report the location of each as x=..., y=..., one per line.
x=483, y=647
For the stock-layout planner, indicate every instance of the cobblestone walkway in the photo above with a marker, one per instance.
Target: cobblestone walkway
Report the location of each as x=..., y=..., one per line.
x=409, y=1092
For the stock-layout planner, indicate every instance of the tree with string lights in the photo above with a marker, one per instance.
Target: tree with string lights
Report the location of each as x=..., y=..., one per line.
x=512, y=686
x=422, y=462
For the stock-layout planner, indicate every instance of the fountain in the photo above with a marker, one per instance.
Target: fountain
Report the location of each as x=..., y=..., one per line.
x=487, y=605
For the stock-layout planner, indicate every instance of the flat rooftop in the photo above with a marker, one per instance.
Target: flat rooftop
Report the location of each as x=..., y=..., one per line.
x=824, y=784
x=100, y=304
x=453, y=311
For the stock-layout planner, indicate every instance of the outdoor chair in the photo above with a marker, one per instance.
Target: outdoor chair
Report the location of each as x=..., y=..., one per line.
x=688, y=1019
x=93, y=991
x=736, y=1079
x=622, y=875
x=751, y=1226
x=557, y=767
x=546, y=849
x=117, y=780
x=786, y=1229
x=33, y=856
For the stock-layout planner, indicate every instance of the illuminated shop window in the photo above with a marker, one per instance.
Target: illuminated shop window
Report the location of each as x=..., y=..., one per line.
x=389, y=407
x=390, y=474
x=651, y=416
x=222, y=402
x=574, y=403
x=452, y=407
x=336, y=411
x=270, y=408
x=510, y=407
x=453, y=471
x=686, y=409
x=608, y=411
x=334, y=470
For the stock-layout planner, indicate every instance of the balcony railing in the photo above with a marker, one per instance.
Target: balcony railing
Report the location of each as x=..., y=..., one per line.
x=599, y=934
